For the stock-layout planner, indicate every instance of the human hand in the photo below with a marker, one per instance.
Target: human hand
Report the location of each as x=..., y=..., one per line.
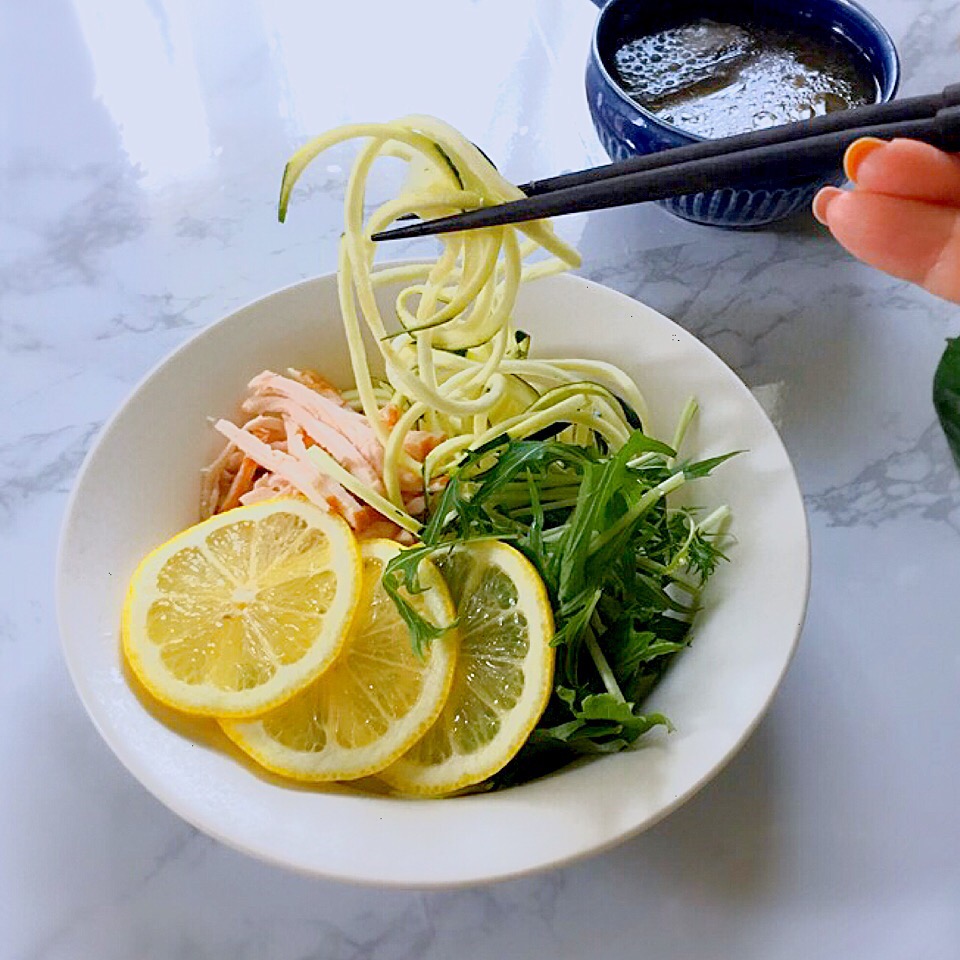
x=903, y=215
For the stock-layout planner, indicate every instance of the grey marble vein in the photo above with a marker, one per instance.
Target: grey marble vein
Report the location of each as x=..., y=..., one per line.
x=19, y=337
x=36, y=464
x=196, y=228
x=70, y=247
x=919, y=481
x=154, y=312
x=928, y=42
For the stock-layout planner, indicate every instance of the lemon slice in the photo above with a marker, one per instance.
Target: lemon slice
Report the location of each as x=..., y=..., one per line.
x=236, y=614
x=503, y=678
x=376, y=700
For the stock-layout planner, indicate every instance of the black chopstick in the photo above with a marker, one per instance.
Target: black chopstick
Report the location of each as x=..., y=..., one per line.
x=894, y=111
x=794, y=150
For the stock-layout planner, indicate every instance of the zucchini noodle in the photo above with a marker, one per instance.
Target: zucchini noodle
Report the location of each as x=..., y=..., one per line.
x=453, y=363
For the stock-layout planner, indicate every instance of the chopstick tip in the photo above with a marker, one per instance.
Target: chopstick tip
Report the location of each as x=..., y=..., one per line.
x=398, y=233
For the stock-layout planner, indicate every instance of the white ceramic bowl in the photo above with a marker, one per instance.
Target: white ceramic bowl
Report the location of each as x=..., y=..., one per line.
x=139, y=486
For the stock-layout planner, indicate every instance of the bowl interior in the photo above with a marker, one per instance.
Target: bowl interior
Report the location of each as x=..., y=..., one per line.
x=140, y=485
x=623, y=20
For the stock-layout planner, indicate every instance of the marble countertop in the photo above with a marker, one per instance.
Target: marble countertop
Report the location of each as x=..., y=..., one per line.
x=141, y=145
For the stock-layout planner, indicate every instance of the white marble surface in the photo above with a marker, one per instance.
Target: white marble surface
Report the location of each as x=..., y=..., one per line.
x=141, y=145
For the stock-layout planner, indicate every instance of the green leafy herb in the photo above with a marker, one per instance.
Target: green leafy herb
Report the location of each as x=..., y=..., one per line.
x=946, y=395
x=623, y=571
x=402, y=573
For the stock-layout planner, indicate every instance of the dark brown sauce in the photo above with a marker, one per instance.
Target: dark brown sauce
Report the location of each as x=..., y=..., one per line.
x=717, y=79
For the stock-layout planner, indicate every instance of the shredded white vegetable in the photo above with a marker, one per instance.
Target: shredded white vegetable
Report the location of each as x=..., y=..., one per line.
x=453, y=362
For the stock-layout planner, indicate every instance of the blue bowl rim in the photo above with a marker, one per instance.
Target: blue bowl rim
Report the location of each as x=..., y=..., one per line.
x=892, y=82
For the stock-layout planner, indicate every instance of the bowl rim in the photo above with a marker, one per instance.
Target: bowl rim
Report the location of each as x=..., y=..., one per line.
x=168, y=795
x=853, y=7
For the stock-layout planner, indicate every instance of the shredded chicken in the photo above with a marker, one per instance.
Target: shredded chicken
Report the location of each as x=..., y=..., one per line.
x=349, y=423
x=335, y=443
x=313, y=380
x=267, y=456
x=268, y=487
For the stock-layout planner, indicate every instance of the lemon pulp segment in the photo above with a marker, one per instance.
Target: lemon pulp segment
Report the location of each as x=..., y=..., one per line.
x=237, y=613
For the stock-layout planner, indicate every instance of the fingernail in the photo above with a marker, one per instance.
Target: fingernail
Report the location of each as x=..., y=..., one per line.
x=823, y=200
x=857, y=152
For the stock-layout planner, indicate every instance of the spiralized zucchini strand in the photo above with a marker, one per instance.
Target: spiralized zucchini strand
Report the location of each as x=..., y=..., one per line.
x=453, y=362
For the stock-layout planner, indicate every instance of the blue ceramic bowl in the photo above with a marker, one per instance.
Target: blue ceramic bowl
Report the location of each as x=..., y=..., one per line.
x=626, y=129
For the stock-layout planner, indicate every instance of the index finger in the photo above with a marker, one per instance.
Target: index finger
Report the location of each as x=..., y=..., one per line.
x=905, y=168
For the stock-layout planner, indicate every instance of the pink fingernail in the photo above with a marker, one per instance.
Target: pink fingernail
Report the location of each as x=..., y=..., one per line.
x=823, y=200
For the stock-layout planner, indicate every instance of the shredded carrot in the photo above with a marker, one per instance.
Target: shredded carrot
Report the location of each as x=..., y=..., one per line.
x=242, y=483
